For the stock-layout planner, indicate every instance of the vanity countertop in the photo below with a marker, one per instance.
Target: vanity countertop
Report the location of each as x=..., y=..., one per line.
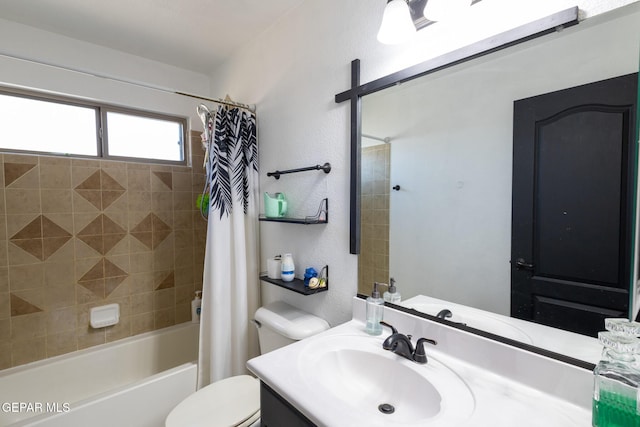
x=497, y=400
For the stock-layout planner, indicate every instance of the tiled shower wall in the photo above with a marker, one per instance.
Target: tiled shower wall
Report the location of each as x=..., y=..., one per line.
x=77, y=233
x=373, y=262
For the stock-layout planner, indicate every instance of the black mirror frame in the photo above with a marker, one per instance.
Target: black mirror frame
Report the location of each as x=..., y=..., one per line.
x=540, y=27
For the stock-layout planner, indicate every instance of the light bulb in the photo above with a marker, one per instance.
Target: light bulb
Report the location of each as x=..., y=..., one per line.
x=440, y=10
x=397, y=25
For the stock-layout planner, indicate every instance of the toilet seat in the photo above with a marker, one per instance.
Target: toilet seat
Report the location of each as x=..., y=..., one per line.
x=233, y=401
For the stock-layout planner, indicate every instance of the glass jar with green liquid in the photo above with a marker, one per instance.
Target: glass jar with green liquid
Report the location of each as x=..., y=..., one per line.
x=616, y=392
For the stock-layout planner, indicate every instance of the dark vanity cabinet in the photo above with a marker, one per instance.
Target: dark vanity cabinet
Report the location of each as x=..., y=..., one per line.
x=277, y=412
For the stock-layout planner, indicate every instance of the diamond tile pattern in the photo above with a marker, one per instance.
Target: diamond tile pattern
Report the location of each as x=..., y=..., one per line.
x=100, y=189
x=41, y=237
x=168, y=282
x=151, y=231
x=102, y=234
x=103, y=278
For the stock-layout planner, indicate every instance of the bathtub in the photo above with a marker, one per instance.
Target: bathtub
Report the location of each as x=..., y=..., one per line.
x=131, y=382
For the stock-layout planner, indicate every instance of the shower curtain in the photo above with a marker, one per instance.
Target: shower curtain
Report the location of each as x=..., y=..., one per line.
x=230, y=286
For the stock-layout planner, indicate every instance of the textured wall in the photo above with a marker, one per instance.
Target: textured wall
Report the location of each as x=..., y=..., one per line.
x=78, y=233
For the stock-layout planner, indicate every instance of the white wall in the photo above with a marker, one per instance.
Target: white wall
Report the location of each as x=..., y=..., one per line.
x=36, y=47
x=292, y=72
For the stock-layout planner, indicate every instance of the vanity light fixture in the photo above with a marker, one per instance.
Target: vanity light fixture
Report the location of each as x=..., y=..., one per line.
x=403, y=18
x=397, y=24
x=439, y=10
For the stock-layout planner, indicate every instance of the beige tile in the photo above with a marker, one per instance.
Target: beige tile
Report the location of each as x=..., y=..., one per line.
x=138, y=166
x=164, y=298
x=4, y=279
x=184, y=258
x=5, y=355
x=161, y=201
x=183, y=201
x=163, y=255
x=25, y=277
x=141, y=283
x=142, y=303
x=56, y=201
x=59, y=296
x=5, y=305
x=89, y=337
x=183, y=239
x=61, y=343
x=3, y=222
x=60, y=320
x=182, y=181
x=139, y=201
x=28, y=326
x=25, y=351
x=142, y=323
x=86, y=296
x=184, y=294
x=59, y=273
x=55, y=161
x=183, y=220
x=119, y=331
x=183, y=313
x=5, y=329
x=141, y=262
x=23, y=201
x=184, y=276
x=165, y=317
x=55, y=176
x=139, y=180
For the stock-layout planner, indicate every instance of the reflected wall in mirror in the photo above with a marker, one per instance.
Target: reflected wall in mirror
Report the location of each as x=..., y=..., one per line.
x=446, y=232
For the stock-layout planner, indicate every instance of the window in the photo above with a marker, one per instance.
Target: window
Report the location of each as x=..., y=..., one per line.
x=54, y=125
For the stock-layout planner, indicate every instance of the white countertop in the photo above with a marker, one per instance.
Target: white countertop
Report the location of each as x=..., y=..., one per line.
x=499, y=401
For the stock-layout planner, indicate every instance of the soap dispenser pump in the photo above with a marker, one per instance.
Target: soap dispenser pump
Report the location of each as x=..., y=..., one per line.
x=375, y=307
x=392, y=295
x=616, y=396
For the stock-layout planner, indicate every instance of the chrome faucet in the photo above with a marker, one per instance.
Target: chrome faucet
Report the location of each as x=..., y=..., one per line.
x=401, y=345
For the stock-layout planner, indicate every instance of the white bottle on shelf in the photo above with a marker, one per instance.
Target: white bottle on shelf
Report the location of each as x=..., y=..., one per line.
x=288, y=268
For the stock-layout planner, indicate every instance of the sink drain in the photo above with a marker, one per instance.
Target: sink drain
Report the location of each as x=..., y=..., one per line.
x=386, y=408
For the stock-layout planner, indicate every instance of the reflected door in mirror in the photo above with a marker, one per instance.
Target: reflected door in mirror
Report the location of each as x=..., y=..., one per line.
x=573, y=175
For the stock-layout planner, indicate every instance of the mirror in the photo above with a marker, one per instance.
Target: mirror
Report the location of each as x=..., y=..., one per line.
x=444, y=233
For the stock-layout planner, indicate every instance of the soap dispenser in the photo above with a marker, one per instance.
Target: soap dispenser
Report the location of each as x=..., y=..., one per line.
x=392, y=295
x=375, y=307
x=616, y=396
x=196, y=305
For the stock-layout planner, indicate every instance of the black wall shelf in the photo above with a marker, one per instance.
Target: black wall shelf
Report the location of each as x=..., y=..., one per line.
x=321, y=217
x=296, y=285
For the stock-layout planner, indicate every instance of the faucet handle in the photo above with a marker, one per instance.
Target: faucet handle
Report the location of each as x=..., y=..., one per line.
x=393, y=329
x=419, y=355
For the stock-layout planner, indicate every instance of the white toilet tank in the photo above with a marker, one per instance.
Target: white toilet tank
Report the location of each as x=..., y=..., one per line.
x=280, y=324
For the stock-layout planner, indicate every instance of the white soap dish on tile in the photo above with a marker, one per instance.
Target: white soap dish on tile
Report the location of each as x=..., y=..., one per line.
x=103, y=316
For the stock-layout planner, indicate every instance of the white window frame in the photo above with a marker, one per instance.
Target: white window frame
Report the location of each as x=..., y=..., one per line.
x=102, y=137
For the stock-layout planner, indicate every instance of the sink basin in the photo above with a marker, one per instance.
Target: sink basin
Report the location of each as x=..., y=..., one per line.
x=475, y=319
x=381, y=388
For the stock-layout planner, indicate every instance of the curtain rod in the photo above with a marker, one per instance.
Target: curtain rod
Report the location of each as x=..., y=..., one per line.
x=131, y=82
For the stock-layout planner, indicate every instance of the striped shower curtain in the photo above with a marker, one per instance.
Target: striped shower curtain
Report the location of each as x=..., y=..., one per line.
x=230, y=286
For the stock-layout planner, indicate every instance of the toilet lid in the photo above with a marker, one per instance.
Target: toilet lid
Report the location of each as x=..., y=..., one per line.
x=229, y=402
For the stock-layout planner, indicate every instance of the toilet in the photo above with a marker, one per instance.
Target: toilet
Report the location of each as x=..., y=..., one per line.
x=235, y=401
